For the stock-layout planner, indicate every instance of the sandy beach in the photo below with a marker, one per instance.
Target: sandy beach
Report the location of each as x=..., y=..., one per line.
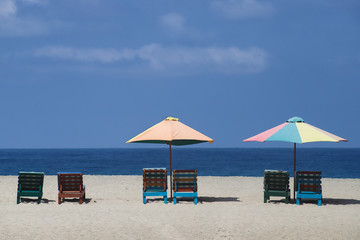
x=228, y=208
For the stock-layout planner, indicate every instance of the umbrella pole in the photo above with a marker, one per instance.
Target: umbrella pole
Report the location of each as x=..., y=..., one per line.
x=170, y=172
x=294, y=169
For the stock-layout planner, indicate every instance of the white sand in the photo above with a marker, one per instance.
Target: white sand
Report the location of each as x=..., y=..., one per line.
x=228, y=208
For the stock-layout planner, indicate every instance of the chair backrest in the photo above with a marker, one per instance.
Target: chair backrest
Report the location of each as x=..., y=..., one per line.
x=31, y=181
x=185, y=180
x=154, y=179
x=276, y=180
x=70, y=181
x=308, y=181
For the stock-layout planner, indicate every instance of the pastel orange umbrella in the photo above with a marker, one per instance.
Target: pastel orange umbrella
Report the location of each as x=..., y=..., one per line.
x=172, y=132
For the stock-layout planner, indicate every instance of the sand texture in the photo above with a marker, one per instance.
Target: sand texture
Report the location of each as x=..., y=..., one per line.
x=228, y=208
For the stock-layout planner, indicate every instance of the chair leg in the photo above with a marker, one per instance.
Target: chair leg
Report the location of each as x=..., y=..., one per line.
x=39, y=200
x=81, y=200
x=319, y=202
x=287, y=200
x=18, y=199
x=59, y=200
x=174, y=199
x=265, y=199
x=165, y=200
x=298, y=201
x=195, y=200
x=144, y=199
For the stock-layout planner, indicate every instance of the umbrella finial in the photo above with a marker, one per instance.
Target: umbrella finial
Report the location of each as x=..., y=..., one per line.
x=171, y=119
x=295, y=119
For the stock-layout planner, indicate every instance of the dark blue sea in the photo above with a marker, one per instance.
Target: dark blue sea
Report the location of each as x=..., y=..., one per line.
x=333, y=162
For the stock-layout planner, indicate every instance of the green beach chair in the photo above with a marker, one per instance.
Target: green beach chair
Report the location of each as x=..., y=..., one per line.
x=185, y=184
x=154, y=183
x=276, y=184
x=30, y=184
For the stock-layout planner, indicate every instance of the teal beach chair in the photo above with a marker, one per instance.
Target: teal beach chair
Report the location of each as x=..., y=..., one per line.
x=308, y=185
x=154, y=183
x=185, y=184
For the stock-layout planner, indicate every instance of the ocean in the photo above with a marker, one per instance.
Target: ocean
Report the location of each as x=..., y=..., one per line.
x=333, y=162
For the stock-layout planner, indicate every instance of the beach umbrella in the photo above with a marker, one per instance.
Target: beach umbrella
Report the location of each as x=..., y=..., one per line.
x=295, y=130
x=172, y=132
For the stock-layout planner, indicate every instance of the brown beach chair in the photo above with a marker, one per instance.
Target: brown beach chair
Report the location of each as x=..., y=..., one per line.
x=71, y=186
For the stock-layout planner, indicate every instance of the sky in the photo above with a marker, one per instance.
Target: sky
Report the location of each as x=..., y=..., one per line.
x=94, y=74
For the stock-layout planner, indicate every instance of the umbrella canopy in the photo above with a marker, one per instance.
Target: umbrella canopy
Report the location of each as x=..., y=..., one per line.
x=295, y=130
x=172, y=132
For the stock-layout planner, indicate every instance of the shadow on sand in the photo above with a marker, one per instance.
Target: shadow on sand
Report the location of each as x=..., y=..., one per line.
x=325, y=201
x=76, y=200
x=200, y=199
x=218, y=199
x=340, y=201
x=34, y=200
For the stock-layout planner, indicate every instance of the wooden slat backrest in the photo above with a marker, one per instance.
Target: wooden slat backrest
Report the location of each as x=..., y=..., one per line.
x=309, y=181
x=30, y=181
x=185, y=180
x=276, y=180
x=154, y=179
x=70, y=181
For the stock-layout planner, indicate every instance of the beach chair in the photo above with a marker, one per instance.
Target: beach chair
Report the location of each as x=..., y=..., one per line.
x=308, y=185
x=30, y=184
x=70, y=185
x=154, y=183
x=185, y=184
x=276, y=183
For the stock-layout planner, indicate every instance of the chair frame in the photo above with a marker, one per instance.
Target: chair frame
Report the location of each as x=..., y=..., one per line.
x=276, y=184
x=30, y=184
x=154, y=183
x=70, y=185
x=185, y=184
x=308, y=185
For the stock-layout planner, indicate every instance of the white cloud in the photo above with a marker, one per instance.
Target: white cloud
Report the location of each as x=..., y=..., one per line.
x=7, y=9
x=13, y=25
x=173, y=22
x=160, y=58
x=236, y=9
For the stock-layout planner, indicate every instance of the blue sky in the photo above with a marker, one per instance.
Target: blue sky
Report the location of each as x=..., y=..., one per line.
x=93, y=73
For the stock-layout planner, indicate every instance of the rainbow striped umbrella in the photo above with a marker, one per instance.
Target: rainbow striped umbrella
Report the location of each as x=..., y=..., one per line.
x=295, y=130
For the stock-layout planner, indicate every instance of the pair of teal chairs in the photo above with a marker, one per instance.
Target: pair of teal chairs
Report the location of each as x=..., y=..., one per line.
x=155, y=184
x=70, y=185
x=307, y=185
